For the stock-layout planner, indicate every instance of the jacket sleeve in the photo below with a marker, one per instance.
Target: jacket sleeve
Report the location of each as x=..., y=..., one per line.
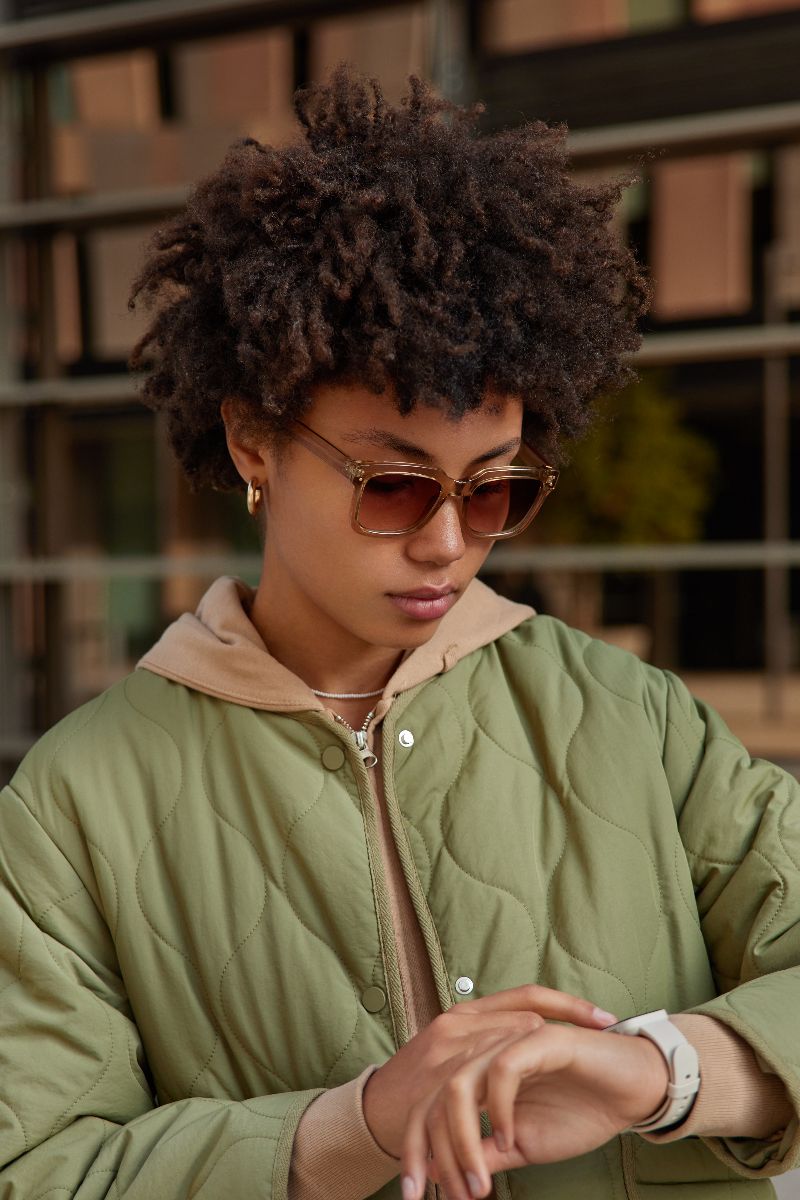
x=335, y=1156
x=78, y=1117
x=739, y=822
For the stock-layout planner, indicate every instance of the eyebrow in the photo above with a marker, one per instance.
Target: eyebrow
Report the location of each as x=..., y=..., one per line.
x=390, y=441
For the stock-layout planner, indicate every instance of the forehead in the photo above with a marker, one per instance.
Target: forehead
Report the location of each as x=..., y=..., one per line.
x=366, y=424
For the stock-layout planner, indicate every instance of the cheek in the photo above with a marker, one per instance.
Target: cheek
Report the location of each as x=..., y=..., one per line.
x=305, y=516
x=315, y=541
x=361, y=564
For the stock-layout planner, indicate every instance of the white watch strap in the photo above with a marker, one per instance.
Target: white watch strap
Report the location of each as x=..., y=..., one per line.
x=682, y=1063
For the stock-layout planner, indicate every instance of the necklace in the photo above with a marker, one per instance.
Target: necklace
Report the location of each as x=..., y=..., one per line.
x=348, y=695
x=360, y=736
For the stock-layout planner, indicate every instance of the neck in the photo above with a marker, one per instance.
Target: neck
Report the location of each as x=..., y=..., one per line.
x=316, y=648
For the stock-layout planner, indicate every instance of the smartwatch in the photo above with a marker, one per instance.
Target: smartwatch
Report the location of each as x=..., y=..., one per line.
x=682, y=1063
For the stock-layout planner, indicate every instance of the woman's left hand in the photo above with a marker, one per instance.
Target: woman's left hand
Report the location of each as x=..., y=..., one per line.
x=552, y=1094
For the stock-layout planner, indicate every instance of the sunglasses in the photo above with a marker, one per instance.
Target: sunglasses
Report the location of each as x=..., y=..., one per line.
x=392, y=498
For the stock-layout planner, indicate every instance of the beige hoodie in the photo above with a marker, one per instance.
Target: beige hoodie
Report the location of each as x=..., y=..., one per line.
x=218, y=650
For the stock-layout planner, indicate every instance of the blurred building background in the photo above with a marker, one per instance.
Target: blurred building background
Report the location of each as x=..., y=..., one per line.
x=677, y=531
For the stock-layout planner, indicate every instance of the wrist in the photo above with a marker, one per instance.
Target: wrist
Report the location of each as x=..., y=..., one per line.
x=681, y=1060
x=655, y=1080
x=377, y=1118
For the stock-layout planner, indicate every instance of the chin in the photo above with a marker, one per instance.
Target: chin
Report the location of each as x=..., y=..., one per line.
x=416, y=633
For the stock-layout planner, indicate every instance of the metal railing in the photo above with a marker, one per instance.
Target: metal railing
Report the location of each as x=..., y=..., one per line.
x=705, y=556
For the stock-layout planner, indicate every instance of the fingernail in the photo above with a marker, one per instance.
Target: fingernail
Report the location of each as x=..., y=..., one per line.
x=474, y=1184
x=608, y=1018
x=409, y=1188
x=500, y=1140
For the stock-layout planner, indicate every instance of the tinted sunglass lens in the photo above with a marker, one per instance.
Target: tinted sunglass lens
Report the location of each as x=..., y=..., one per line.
x=394, y=501
x=501, y=504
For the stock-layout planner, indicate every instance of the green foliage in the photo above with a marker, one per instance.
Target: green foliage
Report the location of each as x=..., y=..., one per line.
x=640, y=476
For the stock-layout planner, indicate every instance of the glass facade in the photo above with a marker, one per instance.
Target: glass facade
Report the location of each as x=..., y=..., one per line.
x=514, y=26
x=148, y=118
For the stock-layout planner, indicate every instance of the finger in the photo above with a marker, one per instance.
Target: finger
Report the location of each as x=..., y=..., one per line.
x=462, y=1096
x=414, y=1155
x=448, y=1169
x=552, y=1004
x=485, y=1030
x=460, y=1157
x=502, y=1085
x=537, y=1054
x=494, y=1160
x=501, y=1160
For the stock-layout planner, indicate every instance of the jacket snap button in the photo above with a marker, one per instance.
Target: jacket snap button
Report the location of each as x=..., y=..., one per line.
x=406, y=738
x=373, y=999
x=464, y=985
x=333, y=757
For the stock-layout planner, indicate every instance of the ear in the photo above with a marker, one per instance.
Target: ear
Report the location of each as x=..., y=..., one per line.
x=250, y=457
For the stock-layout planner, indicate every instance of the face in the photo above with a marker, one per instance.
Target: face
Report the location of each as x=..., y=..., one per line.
x=357, y=588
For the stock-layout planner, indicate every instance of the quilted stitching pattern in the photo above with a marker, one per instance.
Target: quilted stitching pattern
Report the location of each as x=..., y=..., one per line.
x=281, y=940
x=209, y=879
x=585, y=820
x=535, y=829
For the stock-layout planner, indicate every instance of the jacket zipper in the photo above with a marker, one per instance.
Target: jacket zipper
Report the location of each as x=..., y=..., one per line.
x=360, y=736
x=369, y=759
x=432, y=1191
x=387, y=934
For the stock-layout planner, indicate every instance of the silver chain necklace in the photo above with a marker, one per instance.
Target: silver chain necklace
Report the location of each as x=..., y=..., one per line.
x=348, y=695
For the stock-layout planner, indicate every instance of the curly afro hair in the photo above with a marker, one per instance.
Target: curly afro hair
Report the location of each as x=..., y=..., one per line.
x=395, y=246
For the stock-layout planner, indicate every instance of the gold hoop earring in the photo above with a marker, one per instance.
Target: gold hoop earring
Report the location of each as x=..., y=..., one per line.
x=255, y=494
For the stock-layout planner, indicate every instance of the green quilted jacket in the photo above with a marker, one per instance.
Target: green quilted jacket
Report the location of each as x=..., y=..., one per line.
x=193, y=905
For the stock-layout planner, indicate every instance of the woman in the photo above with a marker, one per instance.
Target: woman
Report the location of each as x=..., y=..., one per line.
x=338, y=893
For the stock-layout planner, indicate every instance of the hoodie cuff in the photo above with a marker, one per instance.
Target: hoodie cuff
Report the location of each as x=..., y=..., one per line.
x=736, y=1098
x=334, y=1155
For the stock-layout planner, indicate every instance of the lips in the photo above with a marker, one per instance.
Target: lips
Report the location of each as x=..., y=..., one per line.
x=426, y=593
x=425, y=604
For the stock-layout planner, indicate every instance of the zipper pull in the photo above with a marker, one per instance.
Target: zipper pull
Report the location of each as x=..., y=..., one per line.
x=369, y=758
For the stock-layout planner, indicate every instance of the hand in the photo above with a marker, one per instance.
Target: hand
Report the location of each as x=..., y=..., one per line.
x=551, y=1094
x=455, y=1038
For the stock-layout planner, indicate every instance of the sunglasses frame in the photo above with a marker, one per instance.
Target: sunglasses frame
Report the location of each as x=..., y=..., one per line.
x=359, y=472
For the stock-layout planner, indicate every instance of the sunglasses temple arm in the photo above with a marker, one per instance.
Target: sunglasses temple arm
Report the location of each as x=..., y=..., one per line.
x=323, y=449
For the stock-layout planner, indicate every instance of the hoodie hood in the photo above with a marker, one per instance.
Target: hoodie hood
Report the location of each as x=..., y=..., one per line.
x=218, y=650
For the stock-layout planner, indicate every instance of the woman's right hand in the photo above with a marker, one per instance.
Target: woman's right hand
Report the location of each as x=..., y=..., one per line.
x=466, y=1030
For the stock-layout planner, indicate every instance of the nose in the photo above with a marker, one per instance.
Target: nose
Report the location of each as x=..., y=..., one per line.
x=441, y=539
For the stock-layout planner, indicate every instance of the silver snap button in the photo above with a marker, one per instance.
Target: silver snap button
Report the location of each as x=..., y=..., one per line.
x=464, y=985
x=405, y=738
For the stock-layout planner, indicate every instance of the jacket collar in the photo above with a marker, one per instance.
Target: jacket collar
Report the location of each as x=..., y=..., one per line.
x=218, y=650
